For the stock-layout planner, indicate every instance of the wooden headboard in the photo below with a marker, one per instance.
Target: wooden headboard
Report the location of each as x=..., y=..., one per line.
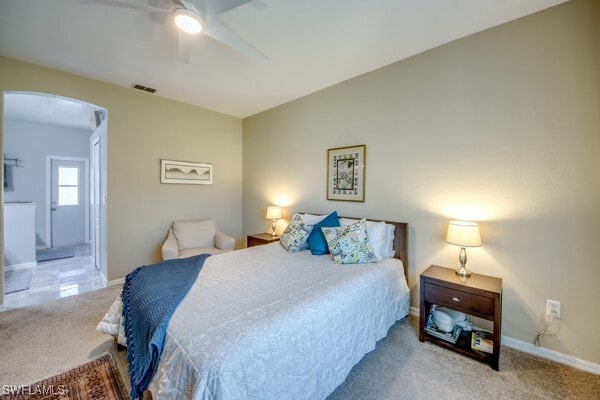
x=400, y=241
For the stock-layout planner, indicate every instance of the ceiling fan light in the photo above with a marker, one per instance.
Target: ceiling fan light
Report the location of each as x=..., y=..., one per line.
x=187, y=20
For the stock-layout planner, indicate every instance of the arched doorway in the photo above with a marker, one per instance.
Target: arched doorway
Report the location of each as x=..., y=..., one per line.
x=54, y=191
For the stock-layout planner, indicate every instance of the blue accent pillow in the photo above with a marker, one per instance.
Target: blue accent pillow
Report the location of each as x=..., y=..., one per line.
x=316, y=240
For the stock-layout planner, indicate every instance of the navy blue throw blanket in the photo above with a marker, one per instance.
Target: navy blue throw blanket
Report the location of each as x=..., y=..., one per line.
x=150, y=296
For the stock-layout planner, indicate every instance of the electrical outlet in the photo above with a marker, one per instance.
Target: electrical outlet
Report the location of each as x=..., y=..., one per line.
x=553, y=308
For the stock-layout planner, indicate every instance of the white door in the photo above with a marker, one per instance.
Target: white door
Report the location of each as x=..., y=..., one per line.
x=67, y=202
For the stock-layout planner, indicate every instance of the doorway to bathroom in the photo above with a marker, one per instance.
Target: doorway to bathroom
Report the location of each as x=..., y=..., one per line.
x=54, y=220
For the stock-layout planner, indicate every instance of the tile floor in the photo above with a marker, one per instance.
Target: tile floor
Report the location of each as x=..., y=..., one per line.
x=54, y=279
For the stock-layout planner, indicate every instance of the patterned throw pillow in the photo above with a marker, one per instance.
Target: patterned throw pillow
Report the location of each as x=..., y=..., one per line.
x=295, y=235
x=350, y=244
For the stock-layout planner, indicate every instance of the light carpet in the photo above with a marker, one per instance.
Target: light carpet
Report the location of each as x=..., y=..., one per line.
x=41, y=341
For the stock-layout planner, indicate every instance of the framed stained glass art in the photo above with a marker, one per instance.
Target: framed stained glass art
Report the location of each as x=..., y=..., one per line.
x=346, y=173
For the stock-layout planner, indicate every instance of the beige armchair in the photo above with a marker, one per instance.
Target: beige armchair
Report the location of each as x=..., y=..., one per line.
x=193, y=237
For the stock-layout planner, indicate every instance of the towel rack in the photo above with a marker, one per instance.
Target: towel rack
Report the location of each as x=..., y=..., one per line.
x=14, y=162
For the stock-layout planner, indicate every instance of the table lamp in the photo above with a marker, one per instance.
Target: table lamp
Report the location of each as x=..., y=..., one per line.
x=273, y=213
x=463, y=234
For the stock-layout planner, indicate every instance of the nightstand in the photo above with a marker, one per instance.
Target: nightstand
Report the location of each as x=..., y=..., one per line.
x=261, y=238
x=478, y=295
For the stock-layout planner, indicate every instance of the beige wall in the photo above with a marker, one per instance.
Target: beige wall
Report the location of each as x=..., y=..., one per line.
x=502, y=127
x=142, y=129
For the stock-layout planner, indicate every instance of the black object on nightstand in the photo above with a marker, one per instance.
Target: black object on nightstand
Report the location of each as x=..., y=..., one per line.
x=261, y=238
x=478, y=295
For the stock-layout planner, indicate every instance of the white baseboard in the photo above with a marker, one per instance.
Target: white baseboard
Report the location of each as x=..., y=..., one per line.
x=542, y=352
x=115, y=282
x=552, y=355
x=104, y=279
x=15, y=267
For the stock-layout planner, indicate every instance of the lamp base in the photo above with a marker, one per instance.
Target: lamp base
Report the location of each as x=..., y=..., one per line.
x=462, y=257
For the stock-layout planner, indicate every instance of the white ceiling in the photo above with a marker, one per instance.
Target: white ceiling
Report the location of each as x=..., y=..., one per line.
x=47, y=109
x=311, y=44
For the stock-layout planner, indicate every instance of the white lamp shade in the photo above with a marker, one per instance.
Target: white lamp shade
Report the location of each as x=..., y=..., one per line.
x=463, y=234
x=273, y=212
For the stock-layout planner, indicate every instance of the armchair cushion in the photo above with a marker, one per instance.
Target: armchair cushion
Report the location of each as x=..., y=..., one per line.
x=200, y=250
x=194, y=234
x=193, y=237
x=223, y=241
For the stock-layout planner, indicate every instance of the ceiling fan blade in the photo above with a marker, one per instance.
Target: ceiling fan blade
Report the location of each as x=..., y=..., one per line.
x=160, y=18
x=185, y=42
x=144, y=29
x=214, y=8
x=223, y=34
x=131, y=4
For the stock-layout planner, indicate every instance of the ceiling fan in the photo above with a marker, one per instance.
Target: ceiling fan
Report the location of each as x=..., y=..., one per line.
x=192, y=17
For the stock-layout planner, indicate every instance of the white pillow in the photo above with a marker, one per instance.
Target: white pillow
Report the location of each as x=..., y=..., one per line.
x=388, y=249
x=376, y=231
x=311, y=219
x=348, y=221
x=381, y=236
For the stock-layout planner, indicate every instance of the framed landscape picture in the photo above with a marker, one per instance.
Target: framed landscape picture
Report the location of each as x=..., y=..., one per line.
x=346, y=173
x=188, y=173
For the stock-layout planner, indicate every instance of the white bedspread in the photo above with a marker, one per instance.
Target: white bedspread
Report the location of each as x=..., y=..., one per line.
x=262, y=323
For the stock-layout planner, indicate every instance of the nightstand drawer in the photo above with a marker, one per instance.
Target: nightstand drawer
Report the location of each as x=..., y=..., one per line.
x=254, y=242
x=463, y=301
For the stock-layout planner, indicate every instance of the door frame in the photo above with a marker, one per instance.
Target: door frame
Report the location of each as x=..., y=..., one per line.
x=95, y=197
x=100, y=135
x=86, y=189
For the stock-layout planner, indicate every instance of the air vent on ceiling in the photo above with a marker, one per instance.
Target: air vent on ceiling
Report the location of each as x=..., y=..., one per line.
x=143, y=88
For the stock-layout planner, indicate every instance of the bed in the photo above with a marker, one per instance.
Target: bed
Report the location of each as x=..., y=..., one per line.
x=265, y=323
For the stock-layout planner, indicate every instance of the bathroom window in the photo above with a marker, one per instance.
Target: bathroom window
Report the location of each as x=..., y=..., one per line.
x=68, y=186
